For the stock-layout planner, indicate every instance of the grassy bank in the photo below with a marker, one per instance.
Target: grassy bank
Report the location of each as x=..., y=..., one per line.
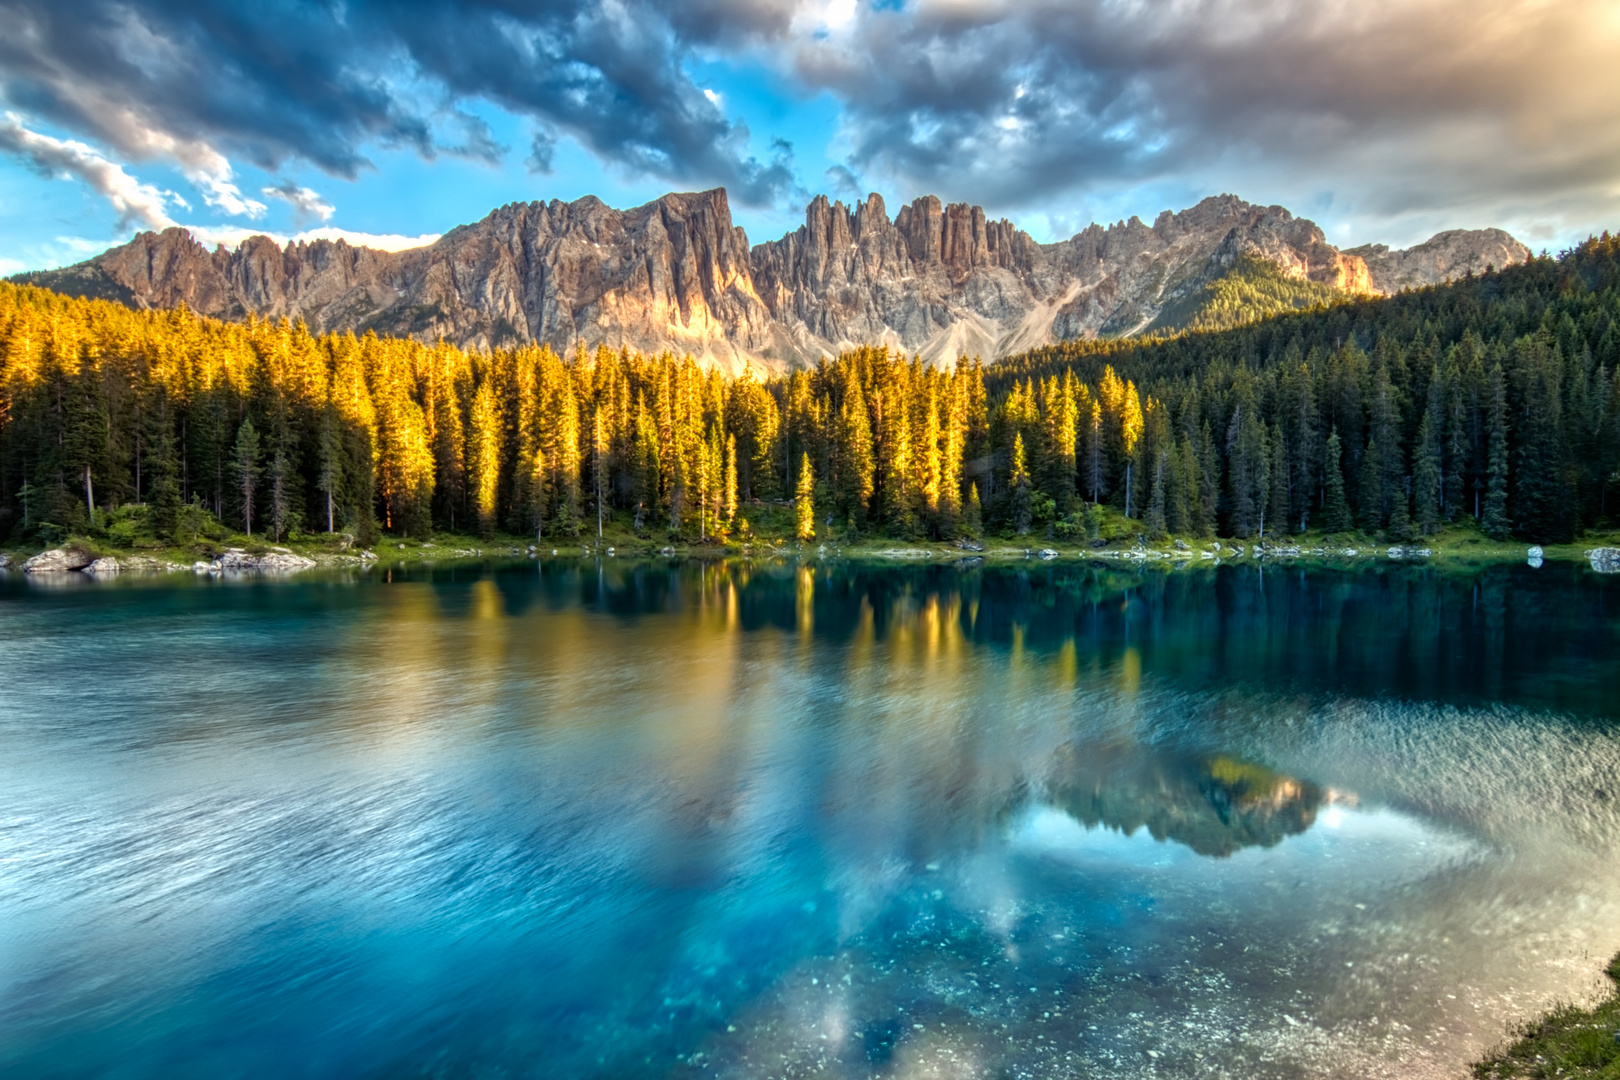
x=1568, y=1042
x=768, y=529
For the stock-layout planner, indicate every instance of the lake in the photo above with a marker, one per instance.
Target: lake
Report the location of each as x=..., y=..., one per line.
x=606, y=818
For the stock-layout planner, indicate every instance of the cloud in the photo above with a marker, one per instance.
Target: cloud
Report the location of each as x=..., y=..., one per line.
x=231, y=236
x=1479, y=108
x=542, y=149
x=307, y=204
x=135, y=202
x=844, y=183
x=1413, y=105
x=322, y=83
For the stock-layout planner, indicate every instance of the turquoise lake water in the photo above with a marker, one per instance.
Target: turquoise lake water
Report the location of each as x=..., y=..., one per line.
x=615, y=819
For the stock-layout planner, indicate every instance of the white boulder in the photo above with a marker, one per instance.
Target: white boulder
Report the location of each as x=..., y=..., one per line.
x=58, y=560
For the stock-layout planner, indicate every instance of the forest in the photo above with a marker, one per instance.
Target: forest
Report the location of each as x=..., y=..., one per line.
x=1493, y=400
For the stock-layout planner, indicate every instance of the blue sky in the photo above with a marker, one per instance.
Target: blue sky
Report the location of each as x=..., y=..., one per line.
x=388, y=122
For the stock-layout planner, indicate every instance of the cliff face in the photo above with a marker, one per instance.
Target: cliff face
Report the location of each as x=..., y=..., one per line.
x=943, y=281
x=1444, y=256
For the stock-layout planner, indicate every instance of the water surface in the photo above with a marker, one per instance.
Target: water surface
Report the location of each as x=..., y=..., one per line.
x=607, y=819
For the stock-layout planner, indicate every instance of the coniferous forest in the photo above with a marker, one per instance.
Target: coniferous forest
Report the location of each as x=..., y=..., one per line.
x=1494, y=399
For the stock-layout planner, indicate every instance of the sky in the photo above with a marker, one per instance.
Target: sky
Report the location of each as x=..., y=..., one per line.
x=391, y=121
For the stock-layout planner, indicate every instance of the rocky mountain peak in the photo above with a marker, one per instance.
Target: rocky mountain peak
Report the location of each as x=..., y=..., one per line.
x=942, y=280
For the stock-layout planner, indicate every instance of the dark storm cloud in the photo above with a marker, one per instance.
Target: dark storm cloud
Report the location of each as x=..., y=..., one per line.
x=1013, y=103
x=1419, y=100
x=321, y=81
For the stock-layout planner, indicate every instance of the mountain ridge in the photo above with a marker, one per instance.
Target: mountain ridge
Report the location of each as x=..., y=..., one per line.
x=939, y=280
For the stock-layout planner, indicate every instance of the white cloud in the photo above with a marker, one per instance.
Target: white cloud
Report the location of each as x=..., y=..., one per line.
x=11, y=266
x=307, y=204
x=220, y=192
x=207, y=169
x=136, y=203
x=231, y=236
x=838, y=13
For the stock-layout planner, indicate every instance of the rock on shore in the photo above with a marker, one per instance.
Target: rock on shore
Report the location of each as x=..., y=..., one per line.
x=1605, y=560
x=272, y=562
x=58, y=560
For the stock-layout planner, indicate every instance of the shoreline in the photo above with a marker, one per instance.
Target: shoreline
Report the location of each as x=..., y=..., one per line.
x=98, y=559
x=1566, y=1041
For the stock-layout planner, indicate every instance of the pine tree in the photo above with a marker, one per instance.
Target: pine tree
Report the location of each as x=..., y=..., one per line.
x=282, y=479
x=1131, y=425
x=854, y=484
x=1400, y=515
x=246, y=470
x=804, y=503
x=1335, y=507
x=1426, y=476
x=729, y=508
x=1154, y=519
x=1370, y=490
x=1279, y=505
x=164, y=460
x=973, y=514
x=1022, y=505
x=329, y=458
x=1494, y=519
x=483, y=457
x=1209, y=482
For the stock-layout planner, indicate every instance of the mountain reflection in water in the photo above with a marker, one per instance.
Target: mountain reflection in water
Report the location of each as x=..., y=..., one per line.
x=586, y=818
x=1216, y=806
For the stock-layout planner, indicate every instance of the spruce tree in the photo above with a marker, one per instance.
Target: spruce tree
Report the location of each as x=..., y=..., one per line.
x=1400, y=514
x=1278, y=509
x=1154, y=519
x=282, y=480
x=329, y=459
x=1022, y=507
x=1335, y=507
x=1494, y=519
x=1370, y=491
x=728, y=508
x=164, y=466
x=973, y=513
x=1426, y=477
x=245, y=470
x=804, y=504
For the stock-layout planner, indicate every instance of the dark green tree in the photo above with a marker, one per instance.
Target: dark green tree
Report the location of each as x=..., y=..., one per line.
x=1335, y=507
x=1494, y=520
x=245, y=471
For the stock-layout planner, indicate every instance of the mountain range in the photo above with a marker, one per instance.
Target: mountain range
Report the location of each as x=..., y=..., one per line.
x=939, y=280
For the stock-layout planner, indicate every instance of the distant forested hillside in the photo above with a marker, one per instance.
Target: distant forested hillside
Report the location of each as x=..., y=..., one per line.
x=1494, y=398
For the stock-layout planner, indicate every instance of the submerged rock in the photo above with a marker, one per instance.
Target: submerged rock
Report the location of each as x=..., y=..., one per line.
x=57, y=560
